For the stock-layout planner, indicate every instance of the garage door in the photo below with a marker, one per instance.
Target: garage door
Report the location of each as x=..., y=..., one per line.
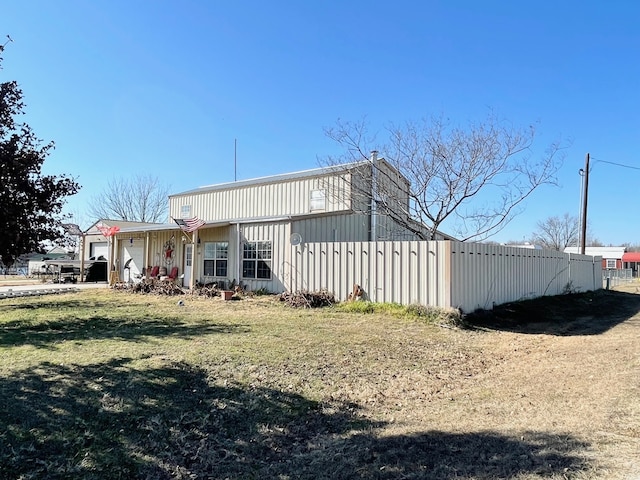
x=97, y=249
x=134, y=252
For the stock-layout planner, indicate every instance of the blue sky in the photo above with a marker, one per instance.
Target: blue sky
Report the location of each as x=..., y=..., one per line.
x=164, y=88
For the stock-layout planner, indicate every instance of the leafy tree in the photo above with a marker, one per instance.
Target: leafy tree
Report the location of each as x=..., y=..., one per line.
x=141, y=198
x=475, y=178
x=557, y=233
x=31, y=202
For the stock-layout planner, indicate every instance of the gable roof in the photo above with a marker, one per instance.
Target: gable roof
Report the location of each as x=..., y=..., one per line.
x=314, y=172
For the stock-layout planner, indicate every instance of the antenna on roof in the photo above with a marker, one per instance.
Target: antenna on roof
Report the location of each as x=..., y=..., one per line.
x=235, y=159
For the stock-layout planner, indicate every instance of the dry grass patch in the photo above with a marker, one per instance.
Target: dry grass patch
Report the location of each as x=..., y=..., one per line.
x=103, y=384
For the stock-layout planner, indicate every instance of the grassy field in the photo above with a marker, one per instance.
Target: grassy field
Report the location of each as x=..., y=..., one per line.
x=103, y=384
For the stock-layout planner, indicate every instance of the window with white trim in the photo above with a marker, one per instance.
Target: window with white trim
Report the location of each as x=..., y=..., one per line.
x=611, y=263
x=185, y=211
x=256, y=260
x=318, y=200
x=216, y=255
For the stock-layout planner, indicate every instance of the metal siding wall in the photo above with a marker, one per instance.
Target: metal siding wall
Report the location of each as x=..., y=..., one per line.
x=156, y=252
x=219, y=234
x=586, y=272
x=483, y=275
x=278, y=234
x=342, y=258
x=439, y=273
x=398, y=272
x=361, y=179
x=320, y=229
x=263, y=200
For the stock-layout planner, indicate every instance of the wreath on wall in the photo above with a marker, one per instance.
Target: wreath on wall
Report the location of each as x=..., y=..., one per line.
x=169, y=249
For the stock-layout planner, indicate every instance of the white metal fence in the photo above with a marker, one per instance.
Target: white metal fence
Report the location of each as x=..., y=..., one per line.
x=611, y=278
x=440, y=273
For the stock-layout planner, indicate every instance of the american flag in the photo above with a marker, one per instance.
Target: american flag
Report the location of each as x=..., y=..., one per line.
x=189, y=224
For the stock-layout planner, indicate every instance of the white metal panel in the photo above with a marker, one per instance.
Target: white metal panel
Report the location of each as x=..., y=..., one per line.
x=332, y=228
x=97, y=249
x=586, y=272
x=398, y=272
x=486, y=275
x=132, y=250
x=292, y=197
x=439, y=273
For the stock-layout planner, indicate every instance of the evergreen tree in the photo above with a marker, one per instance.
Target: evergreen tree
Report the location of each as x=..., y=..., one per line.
x=30, y=202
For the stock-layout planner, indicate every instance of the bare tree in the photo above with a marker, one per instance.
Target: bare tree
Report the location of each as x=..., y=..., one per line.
x=557, y=233
x=476, y=178
x=141, y=198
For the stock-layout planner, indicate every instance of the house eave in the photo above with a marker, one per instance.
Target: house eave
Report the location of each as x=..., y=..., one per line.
x=315, y=172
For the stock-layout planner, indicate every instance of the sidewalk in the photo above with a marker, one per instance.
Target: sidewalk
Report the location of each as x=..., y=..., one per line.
x=21, y=288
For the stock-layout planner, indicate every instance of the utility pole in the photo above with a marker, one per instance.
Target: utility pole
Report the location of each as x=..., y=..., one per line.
x=583, y=242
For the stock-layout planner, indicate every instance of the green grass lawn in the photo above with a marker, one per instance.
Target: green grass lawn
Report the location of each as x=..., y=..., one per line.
x=103, y=384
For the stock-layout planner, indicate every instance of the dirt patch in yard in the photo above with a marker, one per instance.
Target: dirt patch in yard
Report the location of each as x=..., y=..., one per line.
x=589, y=313
x=567, y=364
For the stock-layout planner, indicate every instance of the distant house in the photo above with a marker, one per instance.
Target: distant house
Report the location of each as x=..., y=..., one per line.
x=632, y=260
x=249, y=226
x=611, y=256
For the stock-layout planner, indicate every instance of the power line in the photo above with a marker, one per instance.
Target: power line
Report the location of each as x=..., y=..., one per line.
x=616, y=164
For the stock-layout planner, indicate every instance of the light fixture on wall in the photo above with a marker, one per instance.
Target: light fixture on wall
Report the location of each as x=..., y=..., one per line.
x=131, y=240
x=199, y=241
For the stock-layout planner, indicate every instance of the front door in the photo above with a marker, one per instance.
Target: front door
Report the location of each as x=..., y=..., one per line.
x=132, y=260
x=188, y=263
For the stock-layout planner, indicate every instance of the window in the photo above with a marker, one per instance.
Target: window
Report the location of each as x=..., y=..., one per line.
x=611, y=263
x=256, y=260
x=188, y=256
x=185, y=211
x=216, y=256
x=318, y=200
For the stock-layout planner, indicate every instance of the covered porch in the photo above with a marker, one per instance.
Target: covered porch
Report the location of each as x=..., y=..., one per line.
x=158, y=251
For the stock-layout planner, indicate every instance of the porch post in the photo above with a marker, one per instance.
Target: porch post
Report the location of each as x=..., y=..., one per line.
x=194, y=256
x=147, y=260
x=82, y=240
x=239, y=253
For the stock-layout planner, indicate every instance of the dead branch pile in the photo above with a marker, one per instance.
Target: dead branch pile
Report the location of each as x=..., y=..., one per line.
x=121, y=286
x=304, y=299
x=209, y=290
x=151, y=287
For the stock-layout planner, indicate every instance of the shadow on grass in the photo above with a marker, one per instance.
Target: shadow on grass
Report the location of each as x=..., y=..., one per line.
x=50, y=302
x=46, y=334
x=135, y=419
x=589, y=313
